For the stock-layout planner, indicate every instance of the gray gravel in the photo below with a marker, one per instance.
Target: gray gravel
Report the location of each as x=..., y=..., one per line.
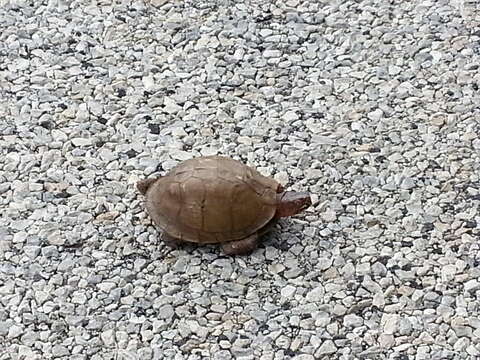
x=371, y=106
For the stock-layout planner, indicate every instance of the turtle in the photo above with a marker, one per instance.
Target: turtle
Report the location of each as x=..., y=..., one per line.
x=218, y=200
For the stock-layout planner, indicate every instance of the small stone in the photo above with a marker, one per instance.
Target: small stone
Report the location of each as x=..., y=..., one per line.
x=107, y=216
x=81, y=142
x=329, y=215
x=148, y=83
x=290, y=116
x=66, y=265
x=49, y=251
x=324, y=263
x=166, y=312
x=106, y=286
x=327, y=347
x=407, y=183
x=56, y=238
x=378, y=300
x=472, y=350
x=59, y=351
x=4, y=328
x=32, y=251
x=158, y=3
x=276, y=268
x=375, y=115
x=20, y=237
x=293, y=273
x=322, y=319
x=181, y=155
x=281, y=177
x=304, y=357
x=461, y=344
x=170, y=106
x=462, y=331
x=405, y=326
x=95, y=108
x=386, y=341
x=438, y=119
x=265, y=32
x=288, y=291
x=394, y=70
x=368, y=283
x=272, y=54
x=179, y=132
x=25, y=352
x=472, y=285
x=352, y=321
x=390, y=323
x=196, y=328
x=108, y=337
x=14, y=332
x=339, y=310
x=79, y=298
x=316, y=295
x=448, y=272
x=242, y=113
x=244, y=140
x=323, y=140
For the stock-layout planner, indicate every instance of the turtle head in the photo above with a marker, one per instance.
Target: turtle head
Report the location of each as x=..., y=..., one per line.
x=292, y=202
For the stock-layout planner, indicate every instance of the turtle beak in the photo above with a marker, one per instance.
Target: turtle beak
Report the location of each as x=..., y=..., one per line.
x=303, y=202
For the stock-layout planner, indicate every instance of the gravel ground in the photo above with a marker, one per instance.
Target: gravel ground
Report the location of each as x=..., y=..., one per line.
x=372, y=106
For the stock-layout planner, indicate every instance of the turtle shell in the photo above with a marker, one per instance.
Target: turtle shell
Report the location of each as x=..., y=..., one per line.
x=212, y=199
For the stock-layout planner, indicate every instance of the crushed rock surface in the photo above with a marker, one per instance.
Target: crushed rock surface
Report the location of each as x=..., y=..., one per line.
x=371, y=106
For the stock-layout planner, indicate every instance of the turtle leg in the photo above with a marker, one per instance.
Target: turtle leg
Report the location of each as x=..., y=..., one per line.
x=241, y=247
x=171, y=242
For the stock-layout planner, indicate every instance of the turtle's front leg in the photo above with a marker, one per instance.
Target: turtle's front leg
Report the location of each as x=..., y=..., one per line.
x=241, y=247
x=171, y=242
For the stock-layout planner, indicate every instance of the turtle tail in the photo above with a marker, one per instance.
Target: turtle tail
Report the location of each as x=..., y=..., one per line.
x=144, y=185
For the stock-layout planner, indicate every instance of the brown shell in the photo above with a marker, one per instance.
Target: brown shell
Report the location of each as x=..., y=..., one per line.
x=212, y=199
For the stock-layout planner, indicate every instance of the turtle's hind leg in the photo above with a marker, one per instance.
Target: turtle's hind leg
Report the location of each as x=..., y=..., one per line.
x=143, y=185
x=241, y=247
